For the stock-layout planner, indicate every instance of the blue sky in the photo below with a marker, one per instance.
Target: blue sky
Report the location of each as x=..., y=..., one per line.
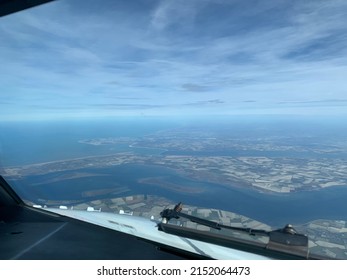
x=71, y=59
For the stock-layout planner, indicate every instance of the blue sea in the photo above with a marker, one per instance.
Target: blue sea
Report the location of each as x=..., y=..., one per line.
x=26, y=143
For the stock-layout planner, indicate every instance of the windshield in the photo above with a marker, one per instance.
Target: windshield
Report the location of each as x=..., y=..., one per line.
x=236, y=108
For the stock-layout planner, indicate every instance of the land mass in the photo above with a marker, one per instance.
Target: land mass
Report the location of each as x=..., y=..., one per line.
x=274, y=163
x=280, y=175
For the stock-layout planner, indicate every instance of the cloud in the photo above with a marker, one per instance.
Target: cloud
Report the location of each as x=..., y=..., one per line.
x=325, y=47
x=126, y=106
x=224, y=53
x=194, y=87
x=204, y=103
x=325, y=102
x=172, y=12
x=216, y=101
x=131, y=98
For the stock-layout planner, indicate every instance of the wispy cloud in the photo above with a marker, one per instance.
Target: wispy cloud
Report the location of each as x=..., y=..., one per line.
x=327, y=102
x=173, y=12
x=194, y=87
x=205, y=103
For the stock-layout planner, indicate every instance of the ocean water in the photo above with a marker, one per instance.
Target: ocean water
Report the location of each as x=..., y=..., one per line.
x=28, y=143
x=25, y=143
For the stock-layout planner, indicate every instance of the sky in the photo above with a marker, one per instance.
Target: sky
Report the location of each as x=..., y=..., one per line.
x=81, y=59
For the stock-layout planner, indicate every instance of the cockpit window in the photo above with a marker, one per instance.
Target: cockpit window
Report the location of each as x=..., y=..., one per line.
x=236, y=108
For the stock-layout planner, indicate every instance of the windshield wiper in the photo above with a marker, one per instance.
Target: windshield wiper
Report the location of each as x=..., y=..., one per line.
x=283, y=243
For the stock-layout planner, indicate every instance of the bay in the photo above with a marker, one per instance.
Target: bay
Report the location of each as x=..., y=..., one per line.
x=271, y=208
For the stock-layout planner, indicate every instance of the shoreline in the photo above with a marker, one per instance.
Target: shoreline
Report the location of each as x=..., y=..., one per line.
x=232, y=172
